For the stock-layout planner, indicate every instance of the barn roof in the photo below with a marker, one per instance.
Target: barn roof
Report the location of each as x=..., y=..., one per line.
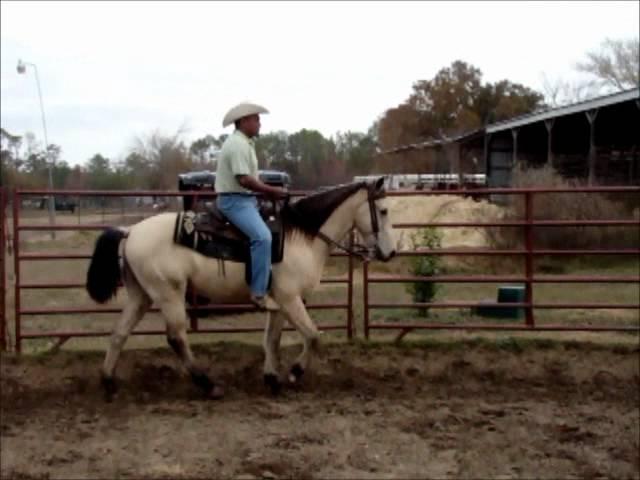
x=436, y=143
x=598, y=102
x=587, y=105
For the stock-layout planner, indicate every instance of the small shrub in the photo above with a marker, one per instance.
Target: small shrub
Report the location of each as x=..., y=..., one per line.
x=425, y=266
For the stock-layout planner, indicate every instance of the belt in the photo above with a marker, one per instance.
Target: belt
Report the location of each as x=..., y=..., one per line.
x=236, y=194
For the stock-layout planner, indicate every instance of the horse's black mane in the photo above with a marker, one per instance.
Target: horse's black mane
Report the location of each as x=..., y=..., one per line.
x=309, y=213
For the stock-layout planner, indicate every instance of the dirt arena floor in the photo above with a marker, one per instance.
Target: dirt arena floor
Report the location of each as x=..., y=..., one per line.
x=463, y=410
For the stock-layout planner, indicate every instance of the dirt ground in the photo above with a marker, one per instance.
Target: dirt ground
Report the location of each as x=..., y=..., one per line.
x=457, y=410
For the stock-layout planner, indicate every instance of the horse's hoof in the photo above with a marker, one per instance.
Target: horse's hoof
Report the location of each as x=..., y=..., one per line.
x=296, y=373
x=315, y=345
x=110, y=388
x=272, y=381
x=216, y=392
x=202, y=381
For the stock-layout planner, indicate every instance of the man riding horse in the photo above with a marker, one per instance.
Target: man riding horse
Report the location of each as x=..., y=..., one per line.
x=156, y=269
x=236, y=182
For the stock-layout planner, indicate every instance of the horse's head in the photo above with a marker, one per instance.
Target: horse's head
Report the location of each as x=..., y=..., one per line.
x=374, y=224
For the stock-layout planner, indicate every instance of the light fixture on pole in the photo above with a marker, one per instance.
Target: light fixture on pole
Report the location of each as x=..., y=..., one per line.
x=22, y=69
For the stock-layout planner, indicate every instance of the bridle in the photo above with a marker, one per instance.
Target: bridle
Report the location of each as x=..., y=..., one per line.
x=358, y=250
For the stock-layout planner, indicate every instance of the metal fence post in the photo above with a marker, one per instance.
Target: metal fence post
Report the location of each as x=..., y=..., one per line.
x=193, y=311
x=3, y=273
x=350, y=326
x=528, y=242
x=16, y=266
x=365, y=290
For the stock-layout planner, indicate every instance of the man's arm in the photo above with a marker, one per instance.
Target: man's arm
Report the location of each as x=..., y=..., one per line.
x=255, y=185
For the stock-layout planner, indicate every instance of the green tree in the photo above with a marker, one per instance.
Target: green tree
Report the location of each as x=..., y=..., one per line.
x=356, y=150
x=310, y=150
x=61, y=173
x=10, y=159
x=202, y=150
x=272, y=149
x=454, y=101
x=137, y=169
x=36, y=164
x=99, y=172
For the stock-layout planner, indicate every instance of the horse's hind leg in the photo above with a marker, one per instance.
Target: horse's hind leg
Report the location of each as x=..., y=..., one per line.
x=137, y=305
x=176, y=317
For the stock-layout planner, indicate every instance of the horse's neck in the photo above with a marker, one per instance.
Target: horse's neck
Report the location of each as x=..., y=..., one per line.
x=338, y=224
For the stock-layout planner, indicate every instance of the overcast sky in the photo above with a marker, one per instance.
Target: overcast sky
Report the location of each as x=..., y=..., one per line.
x=110, y=71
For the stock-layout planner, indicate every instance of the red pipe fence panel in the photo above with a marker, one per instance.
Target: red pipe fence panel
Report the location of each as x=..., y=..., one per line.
x=20, y=257
x=527, y=252
x=529, y=279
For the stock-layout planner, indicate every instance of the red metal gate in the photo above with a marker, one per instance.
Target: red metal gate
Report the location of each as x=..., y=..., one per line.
x=20, y=256
x=529, y=279
x=3, y=269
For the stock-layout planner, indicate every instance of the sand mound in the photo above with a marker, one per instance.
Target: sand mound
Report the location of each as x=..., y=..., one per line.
x=444, y=208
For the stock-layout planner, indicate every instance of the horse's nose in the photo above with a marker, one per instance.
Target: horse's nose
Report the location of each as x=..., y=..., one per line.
x=386, y=258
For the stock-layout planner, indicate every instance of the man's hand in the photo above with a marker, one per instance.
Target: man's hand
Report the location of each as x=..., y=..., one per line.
x=280, y=192
x=255, y=185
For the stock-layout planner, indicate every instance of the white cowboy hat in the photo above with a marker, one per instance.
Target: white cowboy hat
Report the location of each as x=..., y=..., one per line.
x=242, y=110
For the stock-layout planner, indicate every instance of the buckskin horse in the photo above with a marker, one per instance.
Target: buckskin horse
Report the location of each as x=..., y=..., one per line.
x=156, y=270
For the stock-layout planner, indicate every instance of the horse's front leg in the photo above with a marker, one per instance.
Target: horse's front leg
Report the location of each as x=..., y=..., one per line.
x=302, y=362
x=297, y=314
x=271, y=344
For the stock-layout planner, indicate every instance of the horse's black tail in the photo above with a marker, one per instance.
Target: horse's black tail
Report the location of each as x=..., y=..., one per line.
x=103, y=275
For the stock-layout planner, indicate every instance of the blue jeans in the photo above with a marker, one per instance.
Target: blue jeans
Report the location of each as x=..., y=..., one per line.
x=242, y=211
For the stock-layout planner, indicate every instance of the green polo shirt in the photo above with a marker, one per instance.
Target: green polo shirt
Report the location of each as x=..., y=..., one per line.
x=237, y=157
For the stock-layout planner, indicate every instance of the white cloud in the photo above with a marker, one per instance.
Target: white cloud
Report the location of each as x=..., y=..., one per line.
x=113, y=70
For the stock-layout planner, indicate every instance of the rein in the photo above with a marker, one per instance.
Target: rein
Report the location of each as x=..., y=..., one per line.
x=359, y=250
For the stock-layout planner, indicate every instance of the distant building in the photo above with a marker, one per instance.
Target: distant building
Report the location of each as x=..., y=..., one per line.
x=427, y=181
x=597, y=140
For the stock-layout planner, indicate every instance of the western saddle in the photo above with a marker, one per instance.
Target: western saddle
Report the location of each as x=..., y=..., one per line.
x=210, y=233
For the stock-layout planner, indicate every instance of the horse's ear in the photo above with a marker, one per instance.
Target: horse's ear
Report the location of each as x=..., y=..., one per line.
x=379, y=184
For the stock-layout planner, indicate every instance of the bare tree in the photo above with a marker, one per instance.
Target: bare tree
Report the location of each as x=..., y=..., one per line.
x=165, y=156
x=559, y=92
x=615, y=64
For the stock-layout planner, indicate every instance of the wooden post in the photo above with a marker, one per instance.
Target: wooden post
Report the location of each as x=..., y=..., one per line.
x=549, y=124
x=514, y=132
x=591, y=117
x=487, y=140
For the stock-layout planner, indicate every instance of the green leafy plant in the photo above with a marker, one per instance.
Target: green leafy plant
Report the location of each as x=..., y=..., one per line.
x=425, y=266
